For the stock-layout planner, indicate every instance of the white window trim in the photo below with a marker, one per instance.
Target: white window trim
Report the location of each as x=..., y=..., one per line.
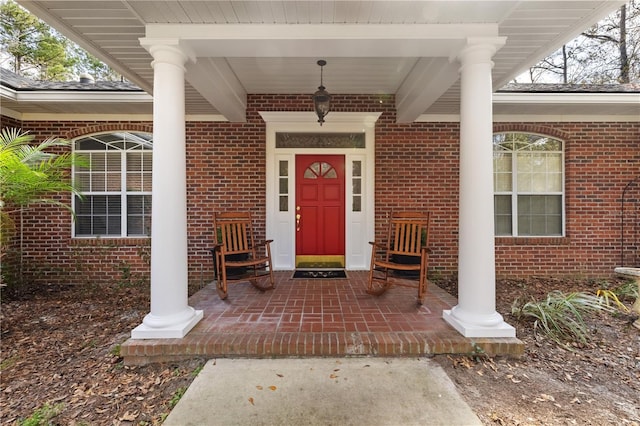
x=124, y=194
x=514, y=194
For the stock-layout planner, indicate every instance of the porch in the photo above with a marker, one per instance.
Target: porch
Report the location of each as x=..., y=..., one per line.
x=315, y=318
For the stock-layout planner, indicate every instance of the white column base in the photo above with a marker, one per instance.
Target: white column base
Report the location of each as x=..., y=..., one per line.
x=154, y=327
x=492, y=328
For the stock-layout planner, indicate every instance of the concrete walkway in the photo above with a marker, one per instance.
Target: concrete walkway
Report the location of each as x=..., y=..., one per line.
x=322, y=391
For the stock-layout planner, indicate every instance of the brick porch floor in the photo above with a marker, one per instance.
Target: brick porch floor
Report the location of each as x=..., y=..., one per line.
x=311, y=318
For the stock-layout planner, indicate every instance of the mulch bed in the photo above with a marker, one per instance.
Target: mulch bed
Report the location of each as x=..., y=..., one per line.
x=60, y=348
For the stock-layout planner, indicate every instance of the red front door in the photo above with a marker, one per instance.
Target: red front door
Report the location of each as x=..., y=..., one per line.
x=320, y=207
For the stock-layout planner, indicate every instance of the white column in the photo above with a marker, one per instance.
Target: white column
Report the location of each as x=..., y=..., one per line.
x=170, y=316
x=475, y=315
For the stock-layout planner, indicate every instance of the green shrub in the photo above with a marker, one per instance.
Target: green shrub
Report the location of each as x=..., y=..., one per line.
x=560, y=316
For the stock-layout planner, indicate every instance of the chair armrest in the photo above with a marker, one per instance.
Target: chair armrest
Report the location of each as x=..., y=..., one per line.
x=264, y=243
x=379, y=246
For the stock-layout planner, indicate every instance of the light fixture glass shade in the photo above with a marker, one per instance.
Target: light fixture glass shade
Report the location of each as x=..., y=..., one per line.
x=322, y=98
x=322, y=103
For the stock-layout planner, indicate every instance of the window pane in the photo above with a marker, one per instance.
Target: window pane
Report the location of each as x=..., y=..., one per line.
x=356, y=186
x=83, y=225
x=538, y=182
x=147, y=161
x=135, y=205
x=502, y=182
x=502, y=162
x=134, y=182
x=284, y=185
x=284, y=203
x=524, y=163
x=98, y=162
x=114, y=161
x=135, y=225
x=89, y=144
x=503, y=220
x=147, y=179
x=99, y=225
x=99, y=205
x=134, y=161
x=83, y=207
x=554, y=205
x=138, y=215
x=554, y=225
x=284, y=168
x=539, y=215
x=331, y=174
x=82, y=181
x=357, y=203
x=320, y=140
x=357, y=168
x=114, y=205
x=554, y=162
x=114, y=225
x=524, y=182
x=113, y=182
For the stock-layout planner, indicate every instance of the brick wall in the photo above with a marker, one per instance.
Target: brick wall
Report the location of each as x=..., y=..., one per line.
x=226, y=166
x=600, y=159
x=42, y=251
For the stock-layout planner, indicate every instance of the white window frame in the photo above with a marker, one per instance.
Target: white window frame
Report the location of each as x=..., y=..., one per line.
x=123, y=192
x=515, y=193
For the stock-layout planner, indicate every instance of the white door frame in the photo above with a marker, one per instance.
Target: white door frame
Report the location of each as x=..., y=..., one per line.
x=359, y=226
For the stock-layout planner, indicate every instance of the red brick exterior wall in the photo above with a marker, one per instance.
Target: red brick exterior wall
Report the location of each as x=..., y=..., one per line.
x=416, y=168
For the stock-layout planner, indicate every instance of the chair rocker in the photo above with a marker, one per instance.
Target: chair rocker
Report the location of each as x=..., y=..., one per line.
x=406, y=249
x=236, y=257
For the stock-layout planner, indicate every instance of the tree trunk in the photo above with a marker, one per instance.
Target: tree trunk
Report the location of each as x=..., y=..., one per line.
x=624, y=57
x=564, y=64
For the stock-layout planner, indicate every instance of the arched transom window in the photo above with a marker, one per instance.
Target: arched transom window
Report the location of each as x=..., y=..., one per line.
x=320, y=169
x=115, y=184
x=528, y=182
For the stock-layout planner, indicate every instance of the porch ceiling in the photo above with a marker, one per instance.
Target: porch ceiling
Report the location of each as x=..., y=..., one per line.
x=260, y=47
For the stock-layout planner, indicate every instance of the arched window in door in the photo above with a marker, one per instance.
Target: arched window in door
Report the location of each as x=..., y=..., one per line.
x=320, y=169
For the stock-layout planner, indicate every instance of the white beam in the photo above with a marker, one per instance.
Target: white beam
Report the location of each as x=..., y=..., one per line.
x=216, y=82
x=316, y=40
x=427, y=81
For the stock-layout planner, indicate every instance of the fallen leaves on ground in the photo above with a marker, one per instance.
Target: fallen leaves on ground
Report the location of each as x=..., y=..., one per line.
x=596, y=383
x=61, y=347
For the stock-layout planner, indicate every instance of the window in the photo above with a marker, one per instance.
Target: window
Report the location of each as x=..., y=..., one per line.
x=356, y=186
x=116, y=185
x=283, y=185
x=528, y=184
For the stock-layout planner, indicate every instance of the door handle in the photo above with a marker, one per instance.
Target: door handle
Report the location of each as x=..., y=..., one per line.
x=298, y=219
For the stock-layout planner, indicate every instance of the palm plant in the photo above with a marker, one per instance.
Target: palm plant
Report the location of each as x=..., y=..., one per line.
x=30, y=175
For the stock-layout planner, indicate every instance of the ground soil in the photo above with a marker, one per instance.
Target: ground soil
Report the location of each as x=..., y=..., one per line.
x=597, y=383
x=60, y=350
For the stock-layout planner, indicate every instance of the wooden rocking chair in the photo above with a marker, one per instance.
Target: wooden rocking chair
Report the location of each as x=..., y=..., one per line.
x=406, y=249
x=235, y=255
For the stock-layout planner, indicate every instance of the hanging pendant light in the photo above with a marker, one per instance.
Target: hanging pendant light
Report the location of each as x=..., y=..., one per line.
x=322, y=98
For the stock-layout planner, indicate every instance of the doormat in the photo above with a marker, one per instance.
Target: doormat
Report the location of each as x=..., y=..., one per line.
x=319, y=265
x=326, y=274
